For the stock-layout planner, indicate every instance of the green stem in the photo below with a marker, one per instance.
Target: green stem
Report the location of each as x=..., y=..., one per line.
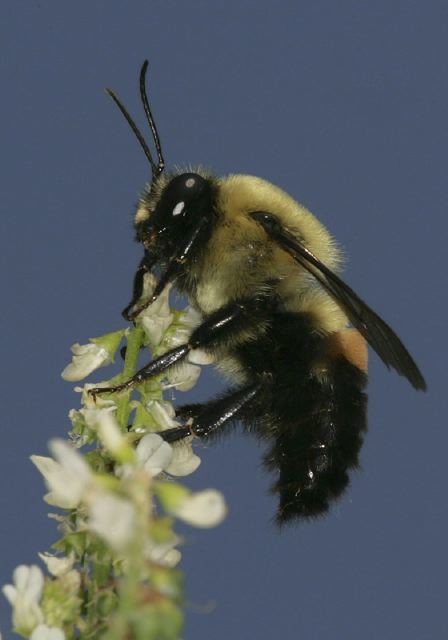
x=134, y=343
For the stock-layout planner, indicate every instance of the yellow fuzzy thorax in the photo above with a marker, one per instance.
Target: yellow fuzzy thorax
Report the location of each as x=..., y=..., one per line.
x=244, y=259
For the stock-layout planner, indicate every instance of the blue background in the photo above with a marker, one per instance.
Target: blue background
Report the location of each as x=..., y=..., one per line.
x=344, y=105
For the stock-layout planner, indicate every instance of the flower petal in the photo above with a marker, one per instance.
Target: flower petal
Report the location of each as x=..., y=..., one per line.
x=154, y=454
x=184, y=461
x=67, y=478
x=156, y=318
x=155, y=327
x=104, y=421
x=204, y=509
x=58, y=566
x=199, y=356
x=86, y=358
x=62, y=494
x=89, y=402
x=10, y=593
x=42, y=632
x=184, y=376
x=163, y=413
x=25, y=597
x=164, y=553
x=34, y=582
x=67, y=456
x=113, y=519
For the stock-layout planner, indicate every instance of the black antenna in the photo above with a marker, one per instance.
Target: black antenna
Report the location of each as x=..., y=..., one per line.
x=156, y=168
x=150, y=119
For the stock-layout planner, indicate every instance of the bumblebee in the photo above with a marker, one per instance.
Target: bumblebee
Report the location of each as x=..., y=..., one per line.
x=276, y=317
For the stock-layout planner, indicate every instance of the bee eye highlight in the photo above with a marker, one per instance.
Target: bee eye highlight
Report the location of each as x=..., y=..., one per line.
x=190, y=183
x=178, y=209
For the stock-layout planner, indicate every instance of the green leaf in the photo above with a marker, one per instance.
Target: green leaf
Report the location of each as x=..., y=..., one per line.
x=76, y=542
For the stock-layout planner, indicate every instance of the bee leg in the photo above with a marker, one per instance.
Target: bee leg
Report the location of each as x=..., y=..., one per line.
x=137, y=288
x=217, y=328
x=173, y=268
x=175, y=434
x=217, y=414
x=207, y=419
x=154, y=368
x=145, y=265
x=212, y=416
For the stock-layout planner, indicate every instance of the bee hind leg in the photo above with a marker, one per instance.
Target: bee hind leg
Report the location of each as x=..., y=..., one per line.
x=208, y=419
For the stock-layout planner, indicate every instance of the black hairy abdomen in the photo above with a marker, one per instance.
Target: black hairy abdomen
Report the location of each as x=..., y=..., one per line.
x=314, y=423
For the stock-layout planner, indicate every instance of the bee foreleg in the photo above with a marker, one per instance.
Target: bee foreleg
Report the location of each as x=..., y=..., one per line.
x=144, y=266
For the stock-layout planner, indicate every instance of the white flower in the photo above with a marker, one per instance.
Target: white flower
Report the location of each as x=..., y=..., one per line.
x=86, y=358
x=189, y=320
x=113, y=519
x=156, y=318
x=94, y=414
x=199, y=356
x=105, y=423
x=164, y=553
x=58, y=565
x=42, y=632
x=89, y=402
x=184, y=461
x=24, y=596
x=109, y=431
x=171, y=558
x=67, y=477
x=204, y=509
x=179, y=337
x=183, y=376
x=163, y=413
x=153, y=454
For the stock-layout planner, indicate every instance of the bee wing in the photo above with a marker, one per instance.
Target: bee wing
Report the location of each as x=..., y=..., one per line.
x=377, y=333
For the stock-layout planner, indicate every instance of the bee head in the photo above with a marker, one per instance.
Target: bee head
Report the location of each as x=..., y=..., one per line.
x=185, y=197
x=173, y=208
